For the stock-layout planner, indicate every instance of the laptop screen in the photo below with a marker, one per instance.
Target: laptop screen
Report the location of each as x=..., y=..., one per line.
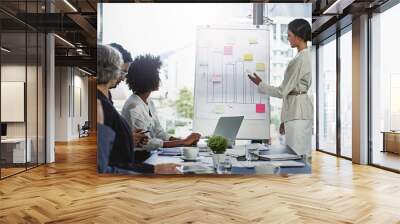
x=228, y=127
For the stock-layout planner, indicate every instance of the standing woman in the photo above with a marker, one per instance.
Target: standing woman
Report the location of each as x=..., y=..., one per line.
x=297, y=108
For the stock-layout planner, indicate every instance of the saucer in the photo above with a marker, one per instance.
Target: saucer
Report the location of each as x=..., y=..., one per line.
x=190, y=160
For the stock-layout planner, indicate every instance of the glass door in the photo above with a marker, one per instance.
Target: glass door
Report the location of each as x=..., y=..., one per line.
x=346, y=93
x=327, y=96
x=385, y=90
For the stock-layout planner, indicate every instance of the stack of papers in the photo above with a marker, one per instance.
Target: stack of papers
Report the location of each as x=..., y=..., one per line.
x=235, y=153
x=197, y=169
x=240, y=150
x=284, y=163
x=288, y=163
x=279, y=157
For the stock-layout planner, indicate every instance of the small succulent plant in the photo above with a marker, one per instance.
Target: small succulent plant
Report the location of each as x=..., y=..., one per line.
x=217, y=144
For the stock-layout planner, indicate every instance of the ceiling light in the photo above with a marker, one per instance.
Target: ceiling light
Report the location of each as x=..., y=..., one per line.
x=70, y=5
x=5, y=50
x=86, y=72
x=64, y=40
x=337, y=7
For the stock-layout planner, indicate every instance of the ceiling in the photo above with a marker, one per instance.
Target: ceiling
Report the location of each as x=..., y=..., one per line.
x=76, y=22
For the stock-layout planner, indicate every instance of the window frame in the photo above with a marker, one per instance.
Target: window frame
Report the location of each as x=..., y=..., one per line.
x=379, y=10
x=333, y=37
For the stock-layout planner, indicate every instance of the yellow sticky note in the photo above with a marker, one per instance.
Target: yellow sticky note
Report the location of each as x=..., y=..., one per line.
x=253, y=40
x=260, y=67
x=248, y=57
x=219, y=109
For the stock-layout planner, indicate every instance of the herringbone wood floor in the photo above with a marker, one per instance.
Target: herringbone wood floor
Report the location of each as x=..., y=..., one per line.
x=70, y=191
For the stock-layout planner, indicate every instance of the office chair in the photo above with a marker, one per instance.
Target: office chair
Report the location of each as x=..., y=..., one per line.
x=84, y=130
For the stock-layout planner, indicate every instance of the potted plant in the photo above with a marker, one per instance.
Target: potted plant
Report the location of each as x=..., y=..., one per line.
x=218, y=145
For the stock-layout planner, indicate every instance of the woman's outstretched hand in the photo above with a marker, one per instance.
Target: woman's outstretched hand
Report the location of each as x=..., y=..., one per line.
x=255, y=79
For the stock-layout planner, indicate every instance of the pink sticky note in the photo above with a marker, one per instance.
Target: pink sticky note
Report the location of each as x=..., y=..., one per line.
x=216, y=78
x=227, y=50
x=260, y=108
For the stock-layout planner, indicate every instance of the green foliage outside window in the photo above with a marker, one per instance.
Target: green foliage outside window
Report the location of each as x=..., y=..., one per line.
x=184, y=103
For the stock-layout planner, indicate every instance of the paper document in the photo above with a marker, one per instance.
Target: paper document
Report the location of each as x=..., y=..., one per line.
x=257, y=146
x=170, y=152
x=196, y=168
x=288, y=163
x=276, y=157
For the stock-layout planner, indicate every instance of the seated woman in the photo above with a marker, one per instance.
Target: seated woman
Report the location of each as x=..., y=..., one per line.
x=109, y=64
x=140, y=112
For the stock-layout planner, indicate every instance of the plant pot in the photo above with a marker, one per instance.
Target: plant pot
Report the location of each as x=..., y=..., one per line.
x=217, y=159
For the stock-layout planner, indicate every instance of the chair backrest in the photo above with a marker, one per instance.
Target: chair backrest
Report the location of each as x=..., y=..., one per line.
x=105, y=140
x=86, y=125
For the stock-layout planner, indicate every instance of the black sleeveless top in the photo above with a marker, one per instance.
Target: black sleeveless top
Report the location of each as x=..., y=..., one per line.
x=122, y=154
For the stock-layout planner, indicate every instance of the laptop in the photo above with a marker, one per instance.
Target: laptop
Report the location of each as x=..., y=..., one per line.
x=228, y=127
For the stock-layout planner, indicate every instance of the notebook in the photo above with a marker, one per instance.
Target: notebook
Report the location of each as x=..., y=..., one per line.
x=170, y=152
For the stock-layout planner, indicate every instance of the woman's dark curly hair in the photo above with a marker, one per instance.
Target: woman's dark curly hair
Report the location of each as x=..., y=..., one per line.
x=143, y=74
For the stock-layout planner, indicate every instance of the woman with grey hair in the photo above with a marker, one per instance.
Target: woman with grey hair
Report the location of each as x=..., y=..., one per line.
x=109, y=64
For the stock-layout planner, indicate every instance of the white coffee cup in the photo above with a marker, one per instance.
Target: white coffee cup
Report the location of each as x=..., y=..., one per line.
x=190, y=153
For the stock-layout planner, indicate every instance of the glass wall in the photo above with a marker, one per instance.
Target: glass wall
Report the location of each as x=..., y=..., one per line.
x=327, y=95
x=346, y=93
x=313, y=93
x=13, y=87
x=385, y=89
x=22, y=92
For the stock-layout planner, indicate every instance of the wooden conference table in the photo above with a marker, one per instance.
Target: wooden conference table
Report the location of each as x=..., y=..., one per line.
x=204, y=164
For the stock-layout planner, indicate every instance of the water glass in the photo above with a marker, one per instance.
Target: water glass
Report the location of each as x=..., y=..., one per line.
x=224, y=167
x=220, y=168
x=228, y=164
x=251, y=153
